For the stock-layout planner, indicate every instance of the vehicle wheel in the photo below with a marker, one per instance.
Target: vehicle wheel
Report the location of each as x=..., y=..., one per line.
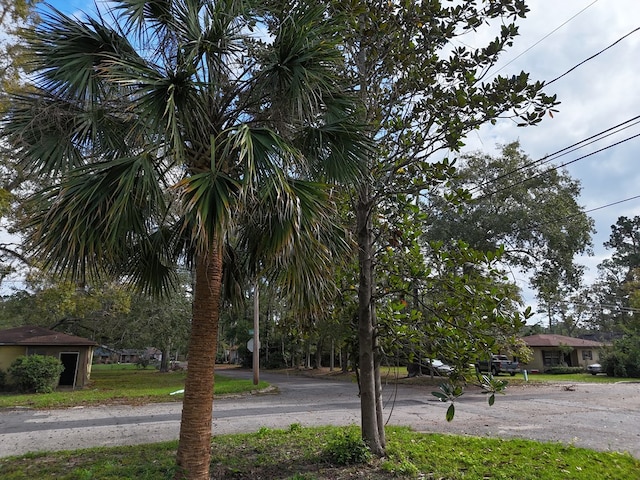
x=512, y=374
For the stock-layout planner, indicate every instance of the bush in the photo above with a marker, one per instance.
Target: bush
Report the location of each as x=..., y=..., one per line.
x=3, y=380
x=143, y=362
x=623, y=359
x=347, y=449
x=563, y=370
x=36, y=373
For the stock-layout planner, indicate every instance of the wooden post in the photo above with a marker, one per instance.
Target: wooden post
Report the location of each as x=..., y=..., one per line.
x=256, y=335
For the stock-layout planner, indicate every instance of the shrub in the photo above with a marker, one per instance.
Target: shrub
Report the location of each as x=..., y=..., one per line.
x=563, y=370
x=347, y=449
x=3, y=380
x=36, y=373
x=623, y=359
x=143, y=362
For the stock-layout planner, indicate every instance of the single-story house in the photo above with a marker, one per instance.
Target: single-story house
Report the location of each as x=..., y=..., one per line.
x=558, y=350
x=75, y=353
x=104, y=354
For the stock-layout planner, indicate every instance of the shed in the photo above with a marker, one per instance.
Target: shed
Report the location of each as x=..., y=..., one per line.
x=551, y=350
x=75, y=353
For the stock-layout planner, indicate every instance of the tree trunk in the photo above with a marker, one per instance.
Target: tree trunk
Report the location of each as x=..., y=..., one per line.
x=318, y=362
x=164, y=363
x=366, y=332
x=194, y=447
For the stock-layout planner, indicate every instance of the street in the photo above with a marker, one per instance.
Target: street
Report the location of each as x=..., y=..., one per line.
x=597, y=416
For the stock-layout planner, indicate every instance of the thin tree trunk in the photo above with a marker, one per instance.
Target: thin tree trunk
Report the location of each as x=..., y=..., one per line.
x=332, y=361
x=164, y=363
x=378, y=380
x=366, y=332
x=194, y=447
x=318, y=354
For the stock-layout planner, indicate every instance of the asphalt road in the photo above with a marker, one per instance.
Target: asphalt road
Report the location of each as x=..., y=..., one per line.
x=597, y=416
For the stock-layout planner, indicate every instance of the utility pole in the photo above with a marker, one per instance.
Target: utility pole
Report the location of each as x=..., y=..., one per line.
x=256, y=334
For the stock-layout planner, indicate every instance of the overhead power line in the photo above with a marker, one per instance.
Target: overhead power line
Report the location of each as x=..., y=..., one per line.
x=592, y=56
x=521, y=182
x=543, y=38
x=564, y=151
x=611, y=204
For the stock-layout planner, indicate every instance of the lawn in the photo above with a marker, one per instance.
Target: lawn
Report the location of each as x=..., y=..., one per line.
x=304, y=453
x=319, y=453
x=391, y=373
x=124, y=384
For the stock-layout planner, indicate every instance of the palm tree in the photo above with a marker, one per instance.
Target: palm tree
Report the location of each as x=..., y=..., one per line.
x=167, y=128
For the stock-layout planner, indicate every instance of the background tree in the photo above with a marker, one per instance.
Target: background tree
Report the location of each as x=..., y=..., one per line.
x=163, y=126
x=421, y=96
x=162, y=323
x=14, y=14
x=615, y=299
x=92, y=311
x=537, y=219
x=612, y=292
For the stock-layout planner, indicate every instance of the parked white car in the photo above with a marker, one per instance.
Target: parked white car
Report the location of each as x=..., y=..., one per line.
x=429, y=366
x=595, y=368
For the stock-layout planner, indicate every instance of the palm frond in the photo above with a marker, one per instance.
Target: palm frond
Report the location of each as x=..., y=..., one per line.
x=300, y=68
x=293, y=236
x=209, y=200
x=74, y=53
x=338, y=146
x=150, y=262
x=85, y=223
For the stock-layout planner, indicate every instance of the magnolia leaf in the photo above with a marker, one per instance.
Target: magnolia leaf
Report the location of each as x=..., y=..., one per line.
x=451, y=411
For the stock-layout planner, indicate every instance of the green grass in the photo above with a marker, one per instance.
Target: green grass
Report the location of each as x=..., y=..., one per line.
x=301, y=454
x=124, y=384
x=391, y=373
x=575, y=377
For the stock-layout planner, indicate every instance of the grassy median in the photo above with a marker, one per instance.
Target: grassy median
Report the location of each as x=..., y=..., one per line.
x=335, y=453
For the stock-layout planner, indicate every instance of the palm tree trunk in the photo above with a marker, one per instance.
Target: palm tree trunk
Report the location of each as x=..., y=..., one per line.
x=194, y=448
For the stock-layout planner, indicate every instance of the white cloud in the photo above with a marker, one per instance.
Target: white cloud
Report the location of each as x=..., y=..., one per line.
x=595, y=96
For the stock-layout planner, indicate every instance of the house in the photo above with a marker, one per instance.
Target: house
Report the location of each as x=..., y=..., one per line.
x=130, y=355
x=558, y=350
x=75, y=353
x=104, y=354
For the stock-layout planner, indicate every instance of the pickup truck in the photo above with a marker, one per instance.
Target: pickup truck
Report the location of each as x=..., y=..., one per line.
x=499, y=364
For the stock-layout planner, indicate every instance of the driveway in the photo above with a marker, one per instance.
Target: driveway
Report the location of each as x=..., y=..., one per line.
x=597, y=416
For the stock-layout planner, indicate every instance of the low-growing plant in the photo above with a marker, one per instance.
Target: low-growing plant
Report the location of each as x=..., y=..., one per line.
x=559, y=370
x=295, y=427
x=36, y=373
x=402, y=468
x=347, y=448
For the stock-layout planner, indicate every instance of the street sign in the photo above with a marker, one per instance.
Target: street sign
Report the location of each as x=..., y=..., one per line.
x=250, y=345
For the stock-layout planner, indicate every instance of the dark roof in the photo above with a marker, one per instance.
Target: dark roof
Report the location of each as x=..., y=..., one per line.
x=550, y=340
x=31, y=335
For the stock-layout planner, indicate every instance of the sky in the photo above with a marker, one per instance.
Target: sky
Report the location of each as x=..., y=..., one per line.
x=603, y=92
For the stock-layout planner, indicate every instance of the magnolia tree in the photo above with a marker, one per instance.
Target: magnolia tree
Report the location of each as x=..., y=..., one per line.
x=421, y=96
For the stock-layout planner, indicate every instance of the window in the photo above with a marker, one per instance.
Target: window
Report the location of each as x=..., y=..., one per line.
x=587, y=355
x=551, y=358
